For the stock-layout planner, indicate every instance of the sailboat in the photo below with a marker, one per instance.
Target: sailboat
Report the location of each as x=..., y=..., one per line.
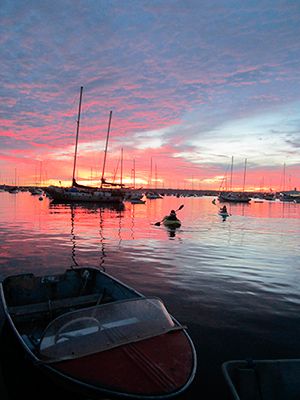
x=106, y=193
x=235, y=197
x=153, y=195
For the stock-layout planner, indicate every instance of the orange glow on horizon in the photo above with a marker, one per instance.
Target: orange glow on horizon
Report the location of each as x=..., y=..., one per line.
x=171, y=173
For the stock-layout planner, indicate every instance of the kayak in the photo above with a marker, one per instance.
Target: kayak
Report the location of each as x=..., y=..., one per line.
x=172, y=223
x=223, y=214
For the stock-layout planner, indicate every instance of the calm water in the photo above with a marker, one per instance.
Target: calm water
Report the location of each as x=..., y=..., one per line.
x=234, y=283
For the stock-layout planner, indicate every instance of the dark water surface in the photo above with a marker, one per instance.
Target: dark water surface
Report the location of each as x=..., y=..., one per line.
x=234, y=283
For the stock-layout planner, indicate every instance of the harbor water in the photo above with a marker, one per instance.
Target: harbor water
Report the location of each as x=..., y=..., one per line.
x=233, y=282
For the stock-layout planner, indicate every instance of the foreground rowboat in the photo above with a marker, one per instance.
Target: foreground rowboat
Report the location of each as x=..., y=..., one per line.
x=93, y=334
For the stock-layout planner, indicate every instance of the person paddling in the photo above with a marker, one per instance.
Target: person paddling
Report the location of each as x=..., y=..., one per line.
x=224, y=210
x=172, y=216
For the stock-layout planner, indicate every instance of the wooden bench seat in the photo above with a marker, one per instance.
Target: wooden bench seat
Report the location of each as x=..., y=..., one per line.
x=53, y=305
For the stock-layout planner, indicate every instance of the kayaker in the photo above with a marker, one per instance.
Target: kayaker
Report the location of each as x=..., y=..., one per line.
x=223, y=210
x=172, y=216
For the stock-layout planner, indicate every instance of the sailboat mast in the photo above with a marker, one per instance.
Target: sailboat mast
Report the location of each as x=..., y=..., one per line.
x=105, y=151
x=134, y=173
x=77, y=133
x=150, y=177
x=244, y=174
x=231, y=172
x=121, y=179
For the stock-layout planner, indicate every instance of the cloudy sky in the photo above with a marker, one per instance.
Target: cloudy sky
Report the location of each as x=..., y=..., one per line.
x=192, y=85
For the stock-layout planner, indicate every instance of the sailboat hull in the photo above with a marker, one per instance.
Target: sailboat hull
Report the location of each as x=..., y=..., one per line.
x=71, y=195
x=234, y=198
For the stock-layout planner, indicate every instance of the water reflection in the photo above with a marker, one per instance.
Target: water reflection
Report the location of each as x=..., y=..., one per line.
x=234, y=283
x=79, y=210
x=87, y=207
x=73, y=237
x=171, y=232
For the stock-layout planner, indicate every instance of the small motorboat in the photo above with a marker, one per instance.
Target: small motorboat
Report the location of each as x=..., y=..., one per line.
x=137, y=201
x=91, y=333
x=151, y=196
x=263, y=379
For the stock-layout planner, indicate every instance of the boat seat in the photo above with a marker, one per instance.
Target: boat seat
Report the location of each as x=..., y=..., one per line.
x=19, y=311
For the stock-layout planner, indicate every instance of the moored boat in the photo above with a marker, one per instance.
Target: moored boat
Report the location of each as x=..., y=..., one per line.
x=106, y=193
x=263, y=379
x=290, y=196
x=13, y=190
x=90, y=195
x=235, y=197
x=269, y=196
x=232, y=197
x=36, y=191
x=94, y=334
x=134, y=196
x=137, y=201
x=153, y=195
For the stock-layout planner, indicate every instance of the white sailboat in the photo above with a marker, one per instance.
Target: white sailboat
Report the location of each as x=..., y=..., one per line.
x=151, y=195
x=235, y=197
x=106, y=193
x=133, y=195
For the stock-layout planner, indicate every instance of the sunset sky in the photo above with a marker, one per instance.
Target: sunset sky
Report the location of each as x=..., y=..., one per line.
x=190, y=83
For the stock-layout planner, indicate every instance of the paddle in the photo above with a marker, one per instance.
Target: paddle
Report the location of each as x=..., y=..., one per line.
x=158, y=223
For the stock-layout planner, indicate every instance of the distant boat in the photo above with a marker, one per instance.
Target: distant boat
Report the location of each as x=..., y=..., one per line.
x=98, y=337
x=235, y=197
x=137, y=201
x=106, y=193
x=290, y=196
x=92, y=195
x=269, y=196
x=153, y=195
x=13, y=190
x=133, y=195
x=36, y=191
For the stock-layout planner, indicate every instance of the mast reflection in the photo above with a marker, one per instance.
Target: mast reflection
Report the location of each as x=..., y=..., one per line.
x=75, y=210
x=73, y=237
